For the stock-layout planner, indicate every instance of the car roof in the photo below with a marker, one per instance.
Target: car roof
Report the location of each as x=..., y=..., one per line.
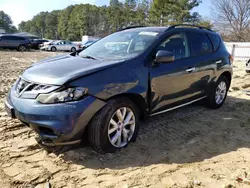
x=148, y=29
x=181, y=27
x=200, y=30
x=13, y=35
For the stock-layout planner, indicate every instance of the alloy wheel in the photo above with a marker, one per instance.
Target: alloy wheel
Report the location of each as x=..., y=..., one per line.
x=121, y=127
x=221, y=92
x=22, y=48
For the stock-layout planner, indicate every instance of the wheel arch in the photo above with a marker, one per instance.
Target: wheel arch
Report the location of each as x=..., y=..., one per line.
x=228, y=76
x=137, y=99
x=22, y=45
x=53, y=47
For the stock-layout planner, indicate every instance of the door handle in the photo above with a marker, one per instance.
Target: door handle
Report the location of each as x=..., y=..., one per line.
x=190, y=69
x=218, y=62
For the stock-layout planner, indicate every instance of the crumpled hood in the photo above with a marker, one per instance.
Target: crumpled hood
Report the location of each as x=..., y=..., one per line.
x=63, y=68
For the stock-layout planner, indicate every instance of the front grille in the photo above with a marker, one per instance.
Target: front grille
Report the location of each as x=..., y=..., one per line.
x=27, y=89
x=22, y=85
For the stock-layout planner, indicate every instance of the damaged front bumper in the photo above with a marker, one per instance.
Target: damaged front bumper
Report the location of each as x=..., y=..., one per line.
x=56, y=124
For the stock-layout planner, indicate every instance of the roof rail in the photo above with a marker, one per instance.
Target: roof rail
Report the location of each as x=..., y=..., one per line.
x=188, y=25
x=131, y=27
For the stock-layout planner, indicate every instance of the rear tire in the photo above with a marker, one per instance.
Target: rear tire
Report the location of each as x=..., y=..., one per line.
x=108, y=131
x=22, y=48
x=73, y=49
x=218, y=93
x=53, y=49
x=248, y=71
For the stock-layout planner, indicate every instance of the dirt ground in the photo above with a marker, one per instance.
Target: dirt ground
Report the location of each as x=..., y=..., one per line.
x=189, y=147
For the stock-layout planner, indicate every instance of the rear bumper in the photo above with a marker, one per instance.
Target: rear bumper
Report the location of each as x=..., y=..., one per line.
x=56, y=124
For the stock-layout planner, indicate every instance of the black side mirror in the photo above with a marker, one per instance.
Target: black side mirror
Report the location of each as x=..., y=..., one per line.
x=164, y=56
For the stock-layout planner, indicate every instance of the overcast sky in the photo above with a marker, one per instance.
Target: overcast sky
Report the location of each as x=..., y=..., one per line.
x=23, y=10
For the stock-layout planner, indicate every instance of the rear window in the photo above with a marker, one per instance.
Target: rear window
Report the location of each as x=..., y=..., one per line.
x=200, y=44
x=216, y=40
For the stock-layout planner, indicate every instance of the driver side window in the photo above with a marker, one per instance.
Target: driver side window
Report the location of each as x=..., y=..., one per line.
x=177, y=44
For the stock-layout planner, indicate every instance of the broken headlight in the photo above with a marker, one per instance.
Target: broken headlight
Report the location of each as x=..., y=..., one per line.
x=66, y=95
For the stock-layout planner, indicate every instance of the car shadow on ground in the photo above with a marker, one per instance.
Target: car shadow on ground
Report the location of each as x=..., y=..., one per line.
x=190, y=134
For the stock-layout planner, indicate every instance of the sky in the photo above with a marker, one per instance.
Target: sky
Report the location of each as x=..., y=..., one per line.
x=23, y=10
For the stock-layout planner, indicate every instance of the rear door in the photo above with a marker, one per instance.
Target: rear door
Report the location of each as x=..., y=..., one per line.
x=14, y=42
x=21, y=40
x=205, y=59
x=6, y=41
x=174, y=83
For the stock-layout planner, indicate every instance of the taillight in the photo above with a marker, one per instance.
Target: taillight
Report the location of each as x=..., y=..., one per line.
x=231, y=58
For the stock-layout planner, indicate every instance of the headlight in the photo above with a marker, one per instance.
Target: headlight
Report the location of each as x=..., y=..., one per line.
x=66, y=95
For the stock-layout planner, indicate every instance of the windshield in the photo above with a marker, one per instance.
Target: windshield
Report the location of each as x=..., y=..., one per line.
x=120, y=46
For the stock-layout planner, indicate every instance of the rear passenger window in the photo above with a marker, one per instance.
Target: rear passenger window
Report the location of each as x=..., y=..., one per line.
x=200, y=44
x=215, y=40
x=19, y=38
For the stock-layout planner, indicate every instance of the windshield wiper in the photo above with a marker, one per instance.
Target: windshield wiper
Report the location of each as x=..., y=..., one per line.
x=88, y=57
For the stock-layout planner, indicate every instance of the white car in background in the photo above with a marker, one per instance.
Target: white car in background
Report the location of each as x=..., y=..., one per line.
x=60, y=46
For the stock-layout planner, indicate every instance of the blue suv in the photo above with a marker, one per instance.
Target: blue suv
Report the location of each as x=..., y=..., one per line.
x=105, y=89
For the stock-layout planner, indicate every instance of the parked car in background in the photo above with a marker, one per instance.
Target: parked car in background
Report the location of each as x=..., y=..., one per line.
x=106, y=88
x=85, y=45
x=14, y=42
x=35, y=43
x=60, y=46
x=46, y=43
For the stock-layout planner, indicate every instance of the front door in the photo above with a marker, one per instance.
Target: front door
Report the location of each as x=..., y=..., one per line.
x=68, y=45
x=60, y=46
x=174, y=82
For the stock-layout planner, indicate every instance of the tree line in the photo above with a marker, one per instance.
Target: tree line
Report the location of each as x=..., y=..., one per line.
x=230, y=17
x=233, y=19
x=6, y=23
x=84, y=19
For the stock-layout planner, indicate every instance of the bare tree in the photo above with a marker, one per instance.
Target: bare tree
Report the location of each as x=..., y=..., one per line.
x=236, y=15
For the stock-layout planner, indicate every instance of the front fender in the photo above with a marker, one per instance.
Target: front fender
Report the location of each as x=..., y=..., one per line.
x=129, y=77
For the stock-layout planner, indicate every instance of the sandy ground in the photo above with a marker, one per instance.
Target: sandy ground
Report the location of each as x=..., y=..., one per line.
x=189, y=147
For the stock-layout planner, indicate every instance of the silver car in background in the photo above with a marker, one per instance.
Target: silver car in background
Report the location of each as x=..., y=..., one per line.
x=60, y=46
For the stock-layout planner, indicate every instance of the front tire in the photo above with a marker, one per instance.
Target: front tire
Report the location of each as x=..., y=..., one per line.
x=73, y=49
x=22, y=48
x=218, y=93
x=114, y=126
x=53, y=49
x=248, y=71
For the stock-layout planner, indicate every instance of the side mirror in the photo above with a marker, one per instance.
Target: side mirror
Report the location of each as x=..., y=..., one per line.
x=164, y=56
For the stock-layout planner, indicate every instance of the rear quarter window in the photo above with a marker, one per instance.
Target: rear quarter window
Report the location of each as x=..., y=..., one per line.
x=216, y=40
x=200, y=44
